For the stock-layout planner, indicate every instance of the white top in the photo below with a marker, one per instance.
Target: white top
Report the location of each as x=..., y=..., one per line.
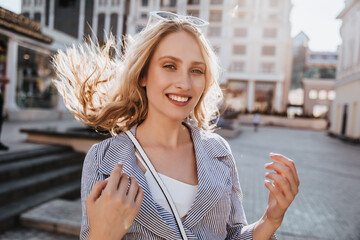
x=183, y=194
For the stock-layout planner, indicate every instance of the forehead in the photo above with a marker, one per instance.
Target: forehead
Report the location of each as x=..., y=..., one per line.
x=182, y=45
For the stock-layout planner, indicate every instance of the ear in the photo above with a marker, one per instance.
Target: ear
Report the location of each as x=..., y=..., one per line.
x=142, y=82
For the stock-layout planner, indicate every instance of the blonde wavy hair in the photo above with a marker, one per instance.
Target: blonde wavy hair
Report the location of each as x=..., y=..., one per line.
x=104, y=91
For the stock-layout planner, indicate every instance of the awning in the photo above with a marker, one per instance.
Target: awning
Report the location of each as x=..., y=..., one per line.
x=22, y=25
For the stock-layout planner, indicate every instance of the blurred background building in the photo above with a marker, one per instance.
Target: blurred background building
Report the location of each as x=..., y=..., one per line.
x=25, y=59
x=296, y=92
x=345, y=119
x=318, y=83
x=313, y=78
x=257, y=55
x=251, y=38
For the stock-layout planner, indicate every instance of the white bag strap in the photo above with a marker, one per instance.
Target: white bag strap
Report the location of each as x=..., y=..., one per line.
x=149, y=167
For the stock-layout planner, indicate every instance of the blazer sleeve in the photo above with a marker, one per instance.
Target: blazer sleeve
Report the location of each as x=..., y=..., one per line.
x=237, y=226
x=89, y=177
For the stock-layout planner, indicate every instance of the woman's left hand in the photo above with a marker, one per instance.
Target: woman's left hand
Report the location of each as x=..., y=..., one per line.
x=283, y=189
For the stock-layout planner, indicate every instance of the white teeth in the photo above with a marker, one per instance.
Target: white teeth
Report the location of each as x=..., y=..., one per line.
x=178, y=98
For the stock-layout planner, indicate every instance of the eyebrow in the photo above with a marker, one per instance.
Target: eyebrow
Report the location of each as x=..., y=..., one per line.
x=179, y=60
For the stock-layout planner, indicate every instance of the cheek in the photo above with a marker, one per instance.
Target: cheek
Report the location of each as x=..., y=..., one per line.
x=200, y=86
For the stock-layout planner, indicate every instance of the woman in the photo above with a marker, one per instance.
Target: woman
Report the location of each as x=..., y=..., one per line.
x=165, y=84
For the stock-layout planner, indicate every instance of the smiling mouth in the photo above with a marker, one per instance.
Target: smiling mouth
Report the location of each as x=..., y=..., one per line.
x=178, y=98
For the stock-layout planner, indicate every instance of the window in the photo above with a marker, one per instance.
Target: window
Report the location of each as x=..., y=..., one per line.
x=216, y=49
x=239, y=49
x=172, y=3
x=236, y=100
x=320, y=110
x=37, y=17
x=273, y=17
x=194, y=13
x=240, y=32
x=270, y=33
x=33, y=86
x=241, y=3
x=38, y=2
x=268, y=50
x=115, y=2
x=322, y=94
x=313, y=94
x=274, y=3
x=67, y=4
x=101, y=26
x=143, y=16
x=193, y=2
x=264, y=96
x=267, y=67
x=237, y=67
x=214, y=32
x=114, y=23
x=139, y=28
x=215, y=16
x=239, y=15
x=331, y=95
x=145, y=3
x=215, y=2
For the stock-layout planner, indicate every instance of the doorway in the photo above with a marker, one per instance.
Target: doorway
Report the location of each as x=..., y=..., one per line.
x=344, y=120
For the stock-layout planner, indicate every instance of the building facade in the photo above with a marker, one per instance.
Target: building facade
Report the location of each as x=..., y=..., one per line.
x=251, y=38
x=318, y=83
x=345, y=120
x=81, y=18
x=25, y=62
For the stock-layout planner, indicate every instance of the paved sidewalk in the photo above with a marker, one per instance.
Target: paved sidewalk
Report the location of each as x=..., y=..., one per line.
x=327, y=206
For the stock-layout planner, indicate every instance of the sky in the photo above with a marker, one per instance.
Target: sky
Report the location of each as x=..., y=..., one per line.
x=316, y=18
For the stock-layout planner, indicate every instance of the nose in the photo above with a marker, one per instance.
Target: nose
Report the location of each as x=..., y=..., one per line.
x=183, y=81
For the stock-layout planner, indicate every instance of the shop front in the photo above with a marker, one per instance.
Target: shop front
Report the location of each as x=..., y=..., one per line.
x=25, y=61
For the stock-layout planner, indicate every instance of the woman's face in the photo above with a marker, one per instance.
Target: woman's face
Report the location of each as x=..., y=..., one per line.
x=175, y=79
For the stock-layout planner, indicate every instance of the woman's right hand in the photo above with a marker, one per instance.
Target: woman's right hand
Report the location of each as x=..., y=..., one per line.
x=112, y=211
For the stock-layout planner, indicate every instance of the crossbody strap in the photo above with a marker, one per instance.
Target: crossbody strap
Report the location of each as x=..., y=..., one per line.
x=149, y=167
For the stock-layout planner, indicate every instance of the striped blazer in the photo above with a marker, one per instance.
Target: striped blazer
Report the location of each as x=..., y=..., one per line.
x=217, y=211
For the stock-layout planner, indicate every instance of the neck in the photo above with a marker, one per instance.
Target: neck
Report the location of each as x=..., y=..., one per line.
x=162, y=132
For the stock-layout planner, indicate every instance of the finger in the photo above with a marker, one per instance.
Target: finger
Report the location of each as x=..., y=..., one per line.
x=286, y=172
x=139, y=197
x=288, y=162
x=133, y=188
x=277, y=194
x=114, y=177
x=96, y=190
x=123, y=185
x=281, y=183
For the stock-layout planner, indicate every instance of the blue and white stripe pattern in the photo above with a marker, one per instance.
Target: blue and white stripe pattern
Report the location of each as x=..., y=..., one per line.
x=217, y=211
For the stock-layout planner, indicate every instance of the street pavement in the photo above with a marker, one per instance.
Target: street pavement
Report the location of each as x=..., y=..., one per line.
x=327, y=205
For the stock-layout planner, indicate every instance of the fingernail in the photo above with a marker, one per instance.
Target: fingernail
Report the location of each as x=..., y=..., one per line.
x=267, y=164
x=119, y=163
x=106, y=178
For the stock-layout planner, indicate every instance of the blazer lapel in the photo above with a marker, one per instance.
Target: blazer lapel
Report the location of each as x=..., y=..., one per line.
x=148, y=215
x=213, y=175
